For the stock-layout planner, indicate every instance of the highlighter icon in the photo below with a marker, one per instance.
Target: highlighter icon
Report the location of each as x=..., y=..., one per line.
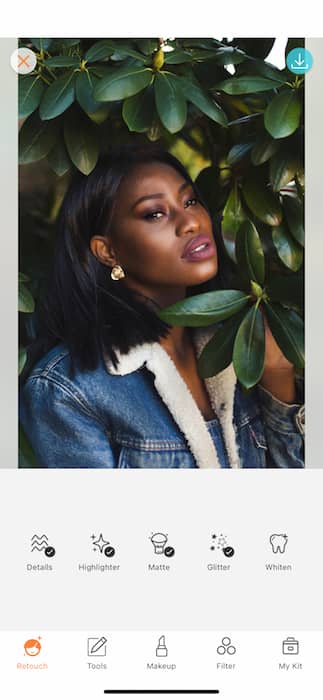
x=161, y=647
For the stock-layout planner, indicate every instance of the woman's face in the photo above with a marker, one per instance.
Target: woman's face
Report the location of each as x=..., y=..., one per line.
x=160, y=234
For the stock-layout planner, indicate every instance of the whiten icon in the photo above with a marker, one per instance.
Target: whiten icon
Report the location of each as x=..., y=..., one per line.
x=290, y=646
x=97, y=646
x=23, y=60
x=278, y=543
x=226, y=647
x=159, y=541
x=161, y=649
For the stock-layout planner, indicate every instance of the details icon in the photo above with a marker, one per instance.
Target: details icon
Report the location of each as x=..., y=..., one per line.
x=40, y=543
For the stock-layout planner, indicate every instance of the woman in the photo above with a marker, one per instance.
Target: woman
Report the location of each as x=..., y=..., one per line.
x=118, y=387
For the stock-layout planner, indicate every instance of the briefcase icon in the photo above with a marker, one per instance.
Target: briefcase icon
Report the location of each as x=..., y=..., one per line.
x=290, y=646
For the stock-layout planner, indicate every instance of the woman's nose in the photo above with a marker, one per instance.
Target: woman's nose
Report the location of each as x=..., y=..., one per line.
x=187, y=222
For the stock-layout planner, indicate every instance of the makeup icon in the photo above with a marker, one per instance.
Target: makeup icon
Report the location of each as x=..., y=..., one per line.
x=161, y=649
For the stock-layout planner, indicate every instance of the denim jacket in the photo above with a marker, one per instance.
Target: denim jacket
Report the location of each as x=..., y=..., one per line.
x=142, y=415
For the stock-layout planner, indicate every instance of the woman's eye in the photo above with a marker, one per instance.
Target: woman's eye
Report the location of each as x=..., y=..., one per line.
x=191, y=202
x=154, y=215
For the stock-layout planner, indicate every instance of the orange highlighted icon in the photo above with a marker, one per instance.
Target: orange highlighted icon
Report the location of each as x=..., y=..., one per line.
x=32, y=647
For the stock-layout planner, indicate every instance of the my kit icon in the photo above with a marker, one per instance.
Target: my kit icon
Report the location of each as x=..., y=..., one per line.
x=290, y=646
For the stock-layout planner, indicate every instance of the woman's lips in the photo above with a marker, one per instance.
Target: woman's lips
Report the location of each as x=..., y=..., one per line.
x=199, y=248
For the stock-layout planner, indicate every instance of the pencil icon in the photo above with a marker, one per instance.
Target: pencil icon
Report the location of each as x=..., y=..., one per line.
x=95, y=645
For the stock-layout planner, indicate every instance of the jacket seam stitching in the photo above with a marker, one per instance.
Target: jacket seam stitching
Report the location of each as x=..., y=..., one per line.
x=75, y=399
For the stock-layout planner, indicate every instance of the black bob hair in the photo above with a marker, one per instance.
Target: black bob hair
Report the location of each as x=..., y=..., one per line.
x=84, y=308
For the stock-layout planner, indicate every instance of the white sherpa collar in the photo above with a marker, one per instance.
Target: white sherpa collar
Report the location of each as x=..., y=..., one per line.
x=180, y=402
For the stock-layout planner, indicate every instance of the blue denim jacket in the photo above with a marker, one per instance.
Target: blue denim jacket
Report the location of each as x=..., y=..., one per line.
x=142, y=415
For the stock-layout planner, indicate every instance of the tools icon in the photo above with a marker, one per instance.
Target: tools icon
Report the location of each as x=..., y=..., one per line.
x=97, y=646
x=40, y=543
x=159, y=541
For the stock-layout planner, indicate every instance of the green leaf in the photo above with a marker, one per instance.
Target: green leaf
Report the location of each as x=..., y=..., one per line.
x=27, y=456
x=31, y=88
x=262, y=201
x=233, y=216
x=262, y=151
x=36, y=138
x=288, y=330
x=81, y=142
x=58, y=159
x=84, y=86
x=23, y=278
x=100, y=115
x=138, y=111
x=249, y=348
x=217, y=354
x=177, y=56
x=239, y=151
x=294, y=212
x=170, y=103
x=287, y=289
x=22, y=359
x=290, y=252
x=122, y=83
x=226, y=55
x=260, y=67
x=61, y=44
x=41, y=44
x=247, y=84
x=100, y=51
x=205, y=309
x=58, y=97
x=62, y=62
x=122, y=52
x=26, y=302
x=249, y=252
x=282, y=116
x=283, y=166
x=202, y=101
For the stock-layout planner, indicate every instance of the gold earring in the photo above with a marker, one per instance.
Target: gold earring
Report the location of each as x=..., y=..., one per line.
x=117, y=273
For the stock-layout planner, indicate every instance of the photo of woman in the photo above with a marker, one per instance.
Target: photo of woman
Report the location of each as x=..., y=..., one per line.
x=114, y=386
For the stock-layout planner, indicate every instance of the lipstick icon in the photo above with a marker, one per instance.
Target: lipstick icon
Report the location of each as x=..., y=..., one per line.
x=161, y=647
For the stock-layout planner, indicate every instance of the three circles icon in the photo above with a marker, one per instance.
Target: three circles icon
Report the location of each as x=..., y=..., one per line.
x=226, y=647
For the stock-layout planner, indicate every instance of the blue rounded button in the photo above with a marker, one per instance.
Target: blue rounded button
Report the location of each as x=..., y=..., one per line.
x=299, y=61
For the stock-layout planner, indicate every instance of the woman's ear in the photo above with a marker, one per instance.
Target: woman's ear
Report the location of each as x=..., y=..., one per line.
x=103, y=250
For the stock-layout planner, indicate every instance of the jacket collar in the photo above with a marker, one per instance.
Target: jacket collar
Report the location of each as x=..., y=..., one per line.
x=179, y=400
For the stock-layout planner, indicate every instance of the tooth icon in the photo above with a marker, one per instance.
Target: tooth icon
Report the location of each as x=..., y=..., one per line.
x=278, y=543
